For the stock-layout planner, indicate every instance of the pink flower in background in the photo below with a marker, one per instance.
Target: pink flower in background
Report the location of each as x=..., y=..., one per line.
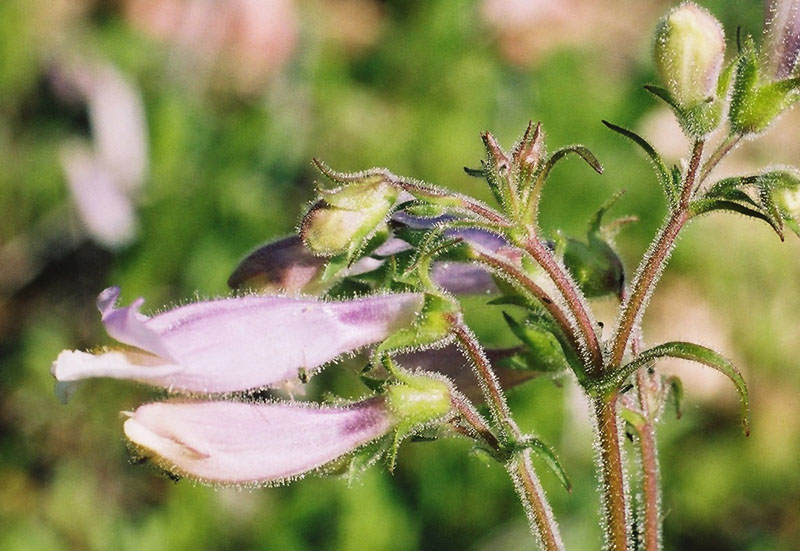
x=245, y=443
x=235, y=344
x=241, y=43
x=106, y=176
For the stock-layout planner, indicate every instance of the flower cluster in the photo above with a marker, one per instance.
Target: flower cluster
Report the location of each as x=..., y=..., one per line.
x=216, y=348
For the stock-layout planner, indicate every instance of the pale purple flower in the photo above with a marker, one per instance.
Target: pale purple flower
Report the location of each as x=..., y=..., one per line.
x=105, y=178
x=781, y=37
x=235, y=344
x=245, y=443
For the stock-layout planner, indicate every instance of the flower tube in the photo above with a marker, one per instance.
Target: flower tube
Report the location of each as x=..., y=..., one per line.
x=243, y=443
x=235, y=344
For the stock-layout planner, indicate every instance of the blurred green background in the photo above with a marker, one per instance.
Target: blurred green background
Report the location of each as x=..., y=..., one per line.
x=218, y=108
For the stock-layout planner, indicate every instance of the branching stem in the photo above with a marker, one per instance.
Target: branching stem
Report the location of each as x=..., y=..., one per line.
x=519, y=466
x=652, y=265
x=573, y=298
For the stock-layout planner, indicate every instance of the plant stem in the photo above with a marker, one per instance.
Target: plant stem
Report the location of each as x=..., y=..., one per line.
x=573, y=298
x=651, y=477
x=724, y=148
x=515, y=274
x=648, y=457
x=520, y=468
x=474, y=420
x=531, y=494
x=490, y=385
x=652, y=265
x=612, y=477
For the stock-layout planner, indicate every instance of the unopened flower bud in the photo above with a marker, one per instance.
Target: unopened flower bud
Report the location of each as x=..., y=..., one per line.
x=530, y=151
x=346, y=217
x=419, y=399
x=689, y=50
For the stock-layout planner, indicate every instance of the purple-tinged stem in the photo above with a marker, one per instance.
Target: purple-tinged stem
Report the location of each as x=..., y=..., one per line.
x=519, y=466
x=652, y=266
x=474, y=420
x=531, y=494
x=612, y=477
x=651, y=476
x=495, y=397
x=572, y=295
x=508, y=269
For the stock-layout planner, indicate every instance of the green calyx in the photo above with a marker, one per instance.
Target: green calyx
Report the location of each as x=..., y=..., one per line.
x=756, y=102
x=417, y=400
x=345, y=218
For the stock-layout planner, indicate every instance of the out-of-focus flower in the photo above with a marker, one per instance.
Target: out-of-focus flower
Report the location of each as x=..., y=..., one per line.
x=527, y=30
x=244, y=443
x=235, y=344
x=286, y=265
x=242, y=43
x=106, y=177
x=689, y=50
x=781, y=37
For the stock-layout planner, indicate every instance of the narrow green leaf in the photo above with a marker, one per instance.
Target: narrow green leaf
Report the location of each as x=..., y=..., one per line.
x=664, y=95
x=703, y=206
x=580, y=150
x=686, y=351
x=549, y=457
x=475, y=172
x=662, y=172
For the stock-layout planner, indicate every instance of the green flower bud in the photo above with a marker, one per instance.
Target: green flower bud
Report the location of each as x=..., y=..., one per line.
x=689, y=51
x=346, y=217
x=419, y=399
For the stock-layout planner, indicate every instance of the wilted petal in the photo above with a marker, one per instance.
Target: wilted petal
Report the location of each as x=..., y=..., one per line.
x=450, y=362
x=463, y=278
x=285, y=264
x=241, y=443
x=236, y=344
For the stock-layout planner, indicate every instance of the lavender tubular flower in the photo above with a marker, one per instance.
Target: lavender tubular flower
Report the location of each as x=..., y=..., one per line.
x=235, y=344
x=242, y=443
x=781, y=37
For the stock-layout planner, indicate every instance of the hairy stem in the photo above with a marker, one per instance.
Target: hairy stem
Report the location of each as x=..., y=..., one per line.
x=724, y=148
x=490, y=385
x=573, y=298
x=478, y=425
x=506, y=268
x=612, y=477
x=651, y=487
x=520, y=468
x=652, y=265
x=533, y=499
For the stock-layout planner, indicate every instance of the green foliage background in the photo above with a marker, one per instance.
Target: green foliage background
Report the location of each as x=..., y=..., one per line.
x=230, y=170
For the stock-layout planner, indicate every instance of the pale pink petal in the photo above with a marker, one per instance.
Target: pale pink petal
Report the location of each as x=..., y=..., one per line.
x=105, y=209
x=236, y=344
x=241, y=443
